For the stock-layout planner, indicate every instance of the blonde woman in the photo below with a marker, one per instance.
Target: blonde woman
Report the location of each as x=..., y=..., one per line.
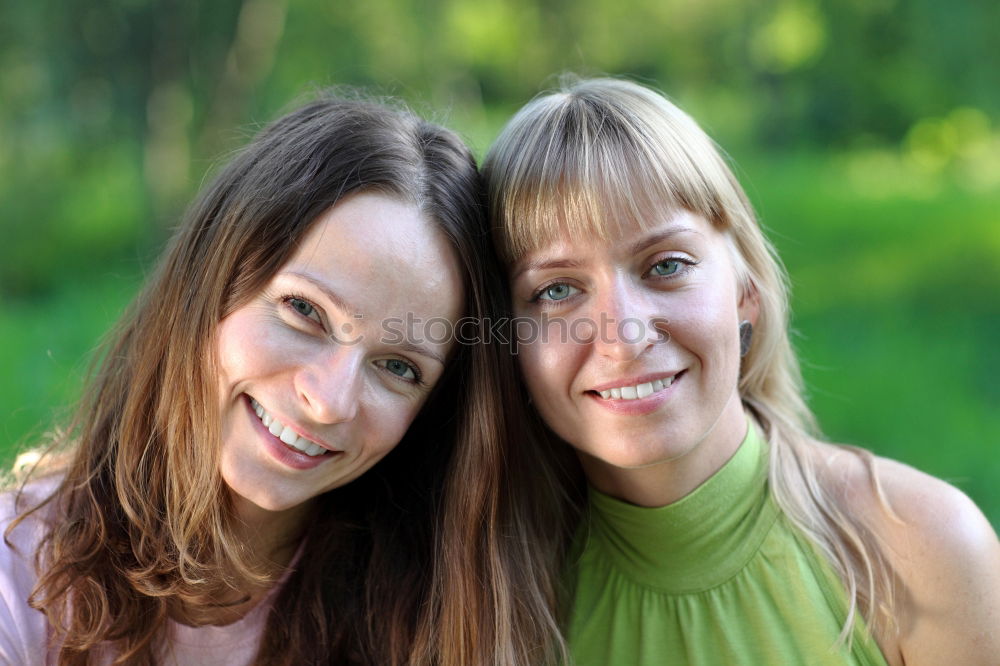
x=713, y=527
x=277, y=462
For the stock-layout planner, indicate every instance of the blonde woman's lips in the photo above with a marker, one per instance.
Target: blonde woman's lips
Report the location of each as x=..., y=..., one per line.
x=639, y=395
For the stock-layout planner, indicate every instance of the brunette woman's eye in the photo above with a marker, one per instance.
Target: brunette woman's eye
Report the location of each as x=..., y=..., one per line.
x=303, y=307
x=556, y=292
x=401, y=369
x=665, y=267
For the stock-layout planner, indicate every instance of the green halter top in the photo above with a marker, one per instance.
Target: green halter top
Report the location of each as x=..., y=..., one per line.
x=718, y=578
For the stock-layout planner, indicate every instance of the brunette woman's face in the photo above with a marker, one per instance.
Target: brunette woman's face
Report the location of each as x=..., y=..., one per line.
x=636, y=357
x=320, y=376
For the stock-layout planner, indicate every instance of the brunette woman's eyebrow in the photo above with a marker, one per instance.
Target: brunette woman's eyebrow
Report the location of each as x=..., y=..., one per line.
x=423, y=351
x=341, y=304
x=658, y=237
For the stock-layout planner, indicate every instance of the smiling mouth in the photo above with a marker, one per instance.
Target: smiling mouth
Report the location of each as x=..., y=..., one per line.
x=287, y=436
x=637, y=391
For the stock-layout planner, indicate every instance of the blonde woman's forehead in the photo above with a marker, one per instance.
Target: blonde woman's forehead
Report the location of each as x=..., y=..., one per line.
x=588, y=215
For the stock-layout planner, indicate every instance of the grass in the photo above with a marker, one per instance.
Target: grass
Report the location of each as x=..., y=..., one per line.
x=45, y=347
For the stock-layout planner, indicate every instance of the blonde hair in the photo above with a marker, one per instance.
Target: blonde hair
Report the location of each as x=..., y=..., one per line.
x=602, y=153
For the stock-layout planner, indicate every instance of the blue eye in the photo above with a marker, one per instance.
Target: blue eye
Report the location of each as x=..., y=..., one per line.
x=556, y=292
x=303, y=307
x=666, y=267
x=399, y=368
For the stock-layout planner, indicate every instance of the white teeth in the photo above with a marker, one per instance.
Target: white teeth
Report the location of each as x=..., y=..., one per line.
x=288, y=436
x=285, y=433
x=638, y=391
x=304, y=445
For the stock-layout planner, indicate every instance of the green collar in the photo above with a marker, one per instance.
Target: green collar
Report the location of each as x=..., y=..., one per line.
x=699, y=541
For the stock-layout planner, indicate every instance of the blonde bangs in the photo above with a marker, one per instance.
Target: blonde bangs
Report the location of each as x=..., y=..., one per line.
x=588, y=164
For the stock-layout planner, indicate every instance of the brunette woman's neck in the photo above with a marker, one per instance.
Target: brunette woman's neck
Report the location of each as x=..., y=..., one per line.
x=271, y=538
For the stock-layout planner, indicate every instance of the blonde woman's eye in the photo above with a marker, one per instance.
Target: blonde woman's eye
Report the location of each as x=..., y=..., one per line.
x=401, y=369
x=556, y=292
x=666, y=267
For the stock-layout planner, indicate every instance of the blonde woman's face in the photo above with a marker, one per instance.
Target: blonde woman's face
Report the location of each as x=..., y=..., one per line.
x=635, y=355
x=315, y=388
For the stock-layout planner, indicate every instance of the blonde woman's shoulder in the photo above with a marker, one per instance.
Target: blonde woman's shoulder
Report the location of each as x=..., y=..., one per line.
x=943, y=551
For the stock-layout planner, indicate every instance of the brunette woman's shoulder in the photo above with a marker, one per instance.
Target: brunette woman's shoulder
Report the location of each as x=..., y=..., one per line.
x=943, y=550
x=23, y=630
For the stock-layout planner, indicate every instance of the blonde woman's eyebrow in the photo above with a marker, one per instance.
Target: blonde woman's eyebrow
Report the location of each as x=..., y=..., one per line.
x=543, y=263
x=658, y=237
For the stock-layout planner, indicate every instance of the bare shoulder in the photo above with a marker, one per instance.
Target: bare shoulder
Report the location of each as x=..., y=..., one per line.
x=942, y=548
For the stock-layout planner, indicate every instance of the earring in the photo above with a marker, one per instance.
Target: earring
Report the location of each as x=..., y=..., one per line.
x=746, y=334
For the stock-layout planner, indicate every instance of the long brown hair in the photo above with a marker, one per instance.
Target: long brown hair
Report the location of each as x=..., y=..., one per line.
x=414, y=562
x=602, y=152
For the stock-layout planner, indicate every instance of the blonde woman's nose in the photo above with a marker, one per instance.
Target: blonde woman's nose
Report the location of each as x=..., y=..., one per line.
x=624, y=326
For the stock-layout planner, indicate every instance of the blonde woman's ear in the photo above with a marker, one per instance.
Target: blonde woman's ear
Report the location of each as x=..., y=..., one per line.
x=749, y=304
x=746, y=335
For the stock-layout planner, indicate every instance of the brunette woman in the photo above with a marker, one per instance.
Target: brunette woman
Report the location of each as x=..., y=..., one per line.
x=276, y=461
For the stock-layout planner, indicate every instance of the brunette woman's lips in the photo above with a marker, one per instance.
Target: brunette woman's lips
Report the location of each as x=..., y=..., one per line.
x=284, y=443
x=633, y=397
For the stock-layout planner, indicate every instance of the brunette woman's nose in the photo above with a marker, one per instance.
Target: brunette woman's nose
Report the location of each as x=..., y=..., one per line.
x=329, y=387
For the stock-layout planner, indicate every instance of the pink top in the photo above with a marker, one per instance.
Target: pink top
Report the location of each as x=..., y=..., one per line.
x=24, y=632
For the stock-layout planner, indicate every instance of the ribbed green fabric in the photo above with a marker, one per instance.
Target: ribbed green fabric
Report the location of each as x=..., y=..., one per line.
x=719, y=577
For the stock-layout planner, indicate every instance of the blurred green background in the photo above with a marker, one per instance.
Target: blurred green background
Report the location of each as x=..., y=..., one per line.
x=867, y=133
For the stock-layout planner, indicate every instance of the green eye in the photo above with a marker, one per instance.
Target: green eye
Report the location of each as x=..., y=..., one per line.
x=556, y=292
x=666, y=267
x=400, y=368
